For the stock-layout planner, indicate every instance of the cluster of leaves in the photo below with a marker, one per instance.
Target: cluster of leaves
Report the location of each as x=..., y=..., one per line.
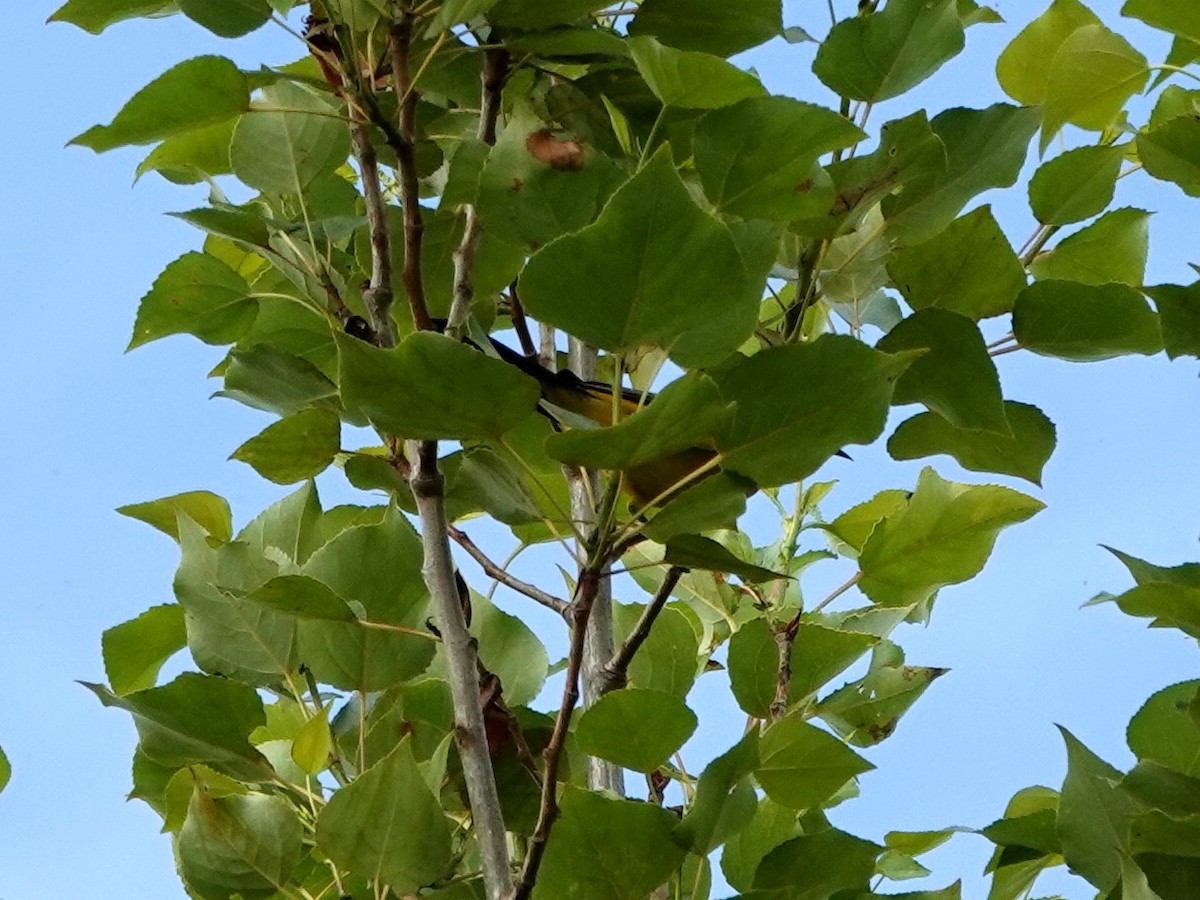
x=1131, y=834
x=624, y=184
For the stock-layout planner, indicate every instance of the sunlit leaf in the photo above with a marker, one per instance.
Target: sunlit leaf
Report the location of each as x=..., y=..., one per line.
x=802, y=766
x=1076, y=185
x=134, y=651
x=1111, y=249
x=634, y=728
x=1165, y=731
x=206, y=509
x=198, y=295
x=691, y=80
x=297, y=447
x=96, y=15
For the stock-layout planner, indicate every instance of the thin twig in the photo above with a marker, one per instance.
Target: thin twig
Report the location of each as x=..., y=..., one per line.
x=500, y=574
x=378, y=295
x=785, y=640
x=615, y=673
x=400, y=45
x=516, y=312
x=495, y=73
x=578, y=614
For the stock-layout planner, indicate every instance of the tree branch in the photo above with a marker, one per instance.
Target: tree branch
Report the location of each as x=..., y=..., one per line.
x=598, y=646
x=579, y=611
x=495, y=73
x=615, y=673
x=399, y=46
x=503, y=576
x=378, y=295
x=470, y=734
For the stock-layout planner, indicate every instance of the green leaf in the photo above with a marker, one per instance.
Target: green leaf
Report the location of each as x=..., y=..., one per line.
x=456, y=12
x=709, y=26
x=1112, y=249
x=187, y=157
x=510, y=650
x=387, y=825
x=802, y=766
x=725, y=801
x=690, y=80
x=855, y=525
x=389, y=591
x=430, y=387
x=1093, y=816
x=1022, y=453
x=956, y=377
x=605, y=849
x=819, y=865
x=1170, y=595
x=867, y=711
x=685, y=414
x=135, y=650
x=1075, y=185
x=1179, y=316
x=1094, y=73
x=758, y=158
x=537, y=14
x=652, y=267
x=196, y=92
x=1177, y=16
x=969, y=268
x=267, y=378
x=692, y=551
x=303, y=597
x=634, y=728
x=290, y=525
x=985, y=148
x=820, y=654
x=226, y=634
x=5, y=770
x=798, y=405
x=771, y=826
x=533, y=201
x=668, y=660
x=942, y=536
x=206, y=509
x=227, y=18
x=197, y=294
x=1158, y=787
x=313, y=743
x=1080, y=322
x=753, y=665
x=243, y=846
x=296, y=447
x=289, y=138
x=1036, y=830
x=716, y=502
x=1171, y=152
x=197, y=719
x=238, y=224
x=1024, y=67
x=96, y=15
x=1165, y=731
x=883, y=54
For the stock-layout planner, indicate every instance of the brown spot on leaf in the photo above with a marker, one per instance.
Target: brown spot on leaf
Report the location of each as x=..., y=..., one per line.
x=562, y=154
x=804, y=187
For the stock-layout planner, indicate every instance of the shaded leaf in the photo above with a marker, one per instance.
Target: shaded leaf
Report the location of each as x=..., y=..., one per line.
x=509, y=649
x=635, y=728
x=724, y=802
x=1165, y=731
x=1179, y=316
x=802, y=766
x=818, y=865
x=430, y=387
x=227, y=18
x=1075, y=185
x=820, y=654
x=604, y=849
x=1022, y=453
x=1111, y=249
x=1177, y=16
x=1093, y=816
x=1171, y=152
x=798, y=405
x=387, y=825
x=753, y=664
x=692, y=551
x=668, y=660
x=968, y=268
x=882, y=54
x=295, y=448
x=866, y=711
x=956, y=377
x=709, y=26
x=197, y=719
x=1080, y=322
x=96, y=15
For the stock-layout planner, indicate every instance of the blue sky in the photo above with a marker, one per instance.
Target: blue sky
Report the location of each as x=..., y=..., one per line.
x=86, y=429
